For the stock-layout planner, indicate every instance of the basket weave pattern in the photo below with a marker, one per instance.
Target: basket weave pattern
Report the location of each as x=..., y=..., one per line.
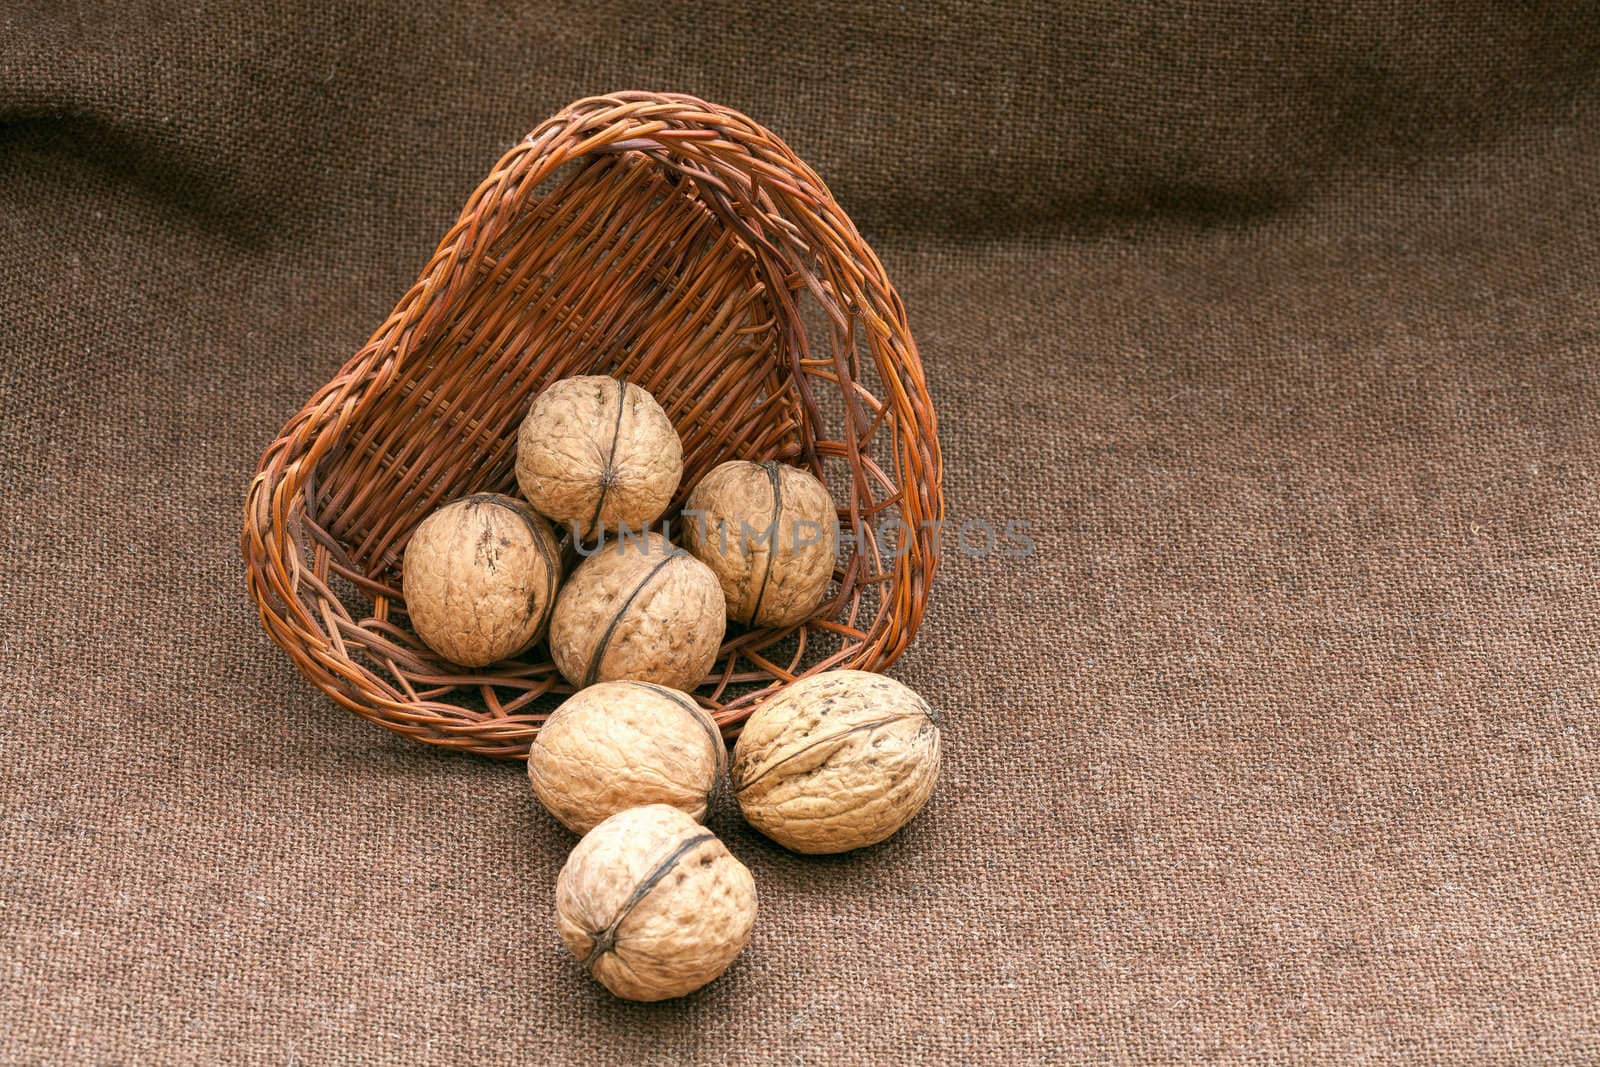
x=657, y=238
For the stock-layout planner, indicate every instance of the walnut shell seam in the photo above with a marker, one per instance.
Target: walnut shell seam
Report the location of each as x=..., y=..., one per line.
x=771, y=468
x=605, y=940
x=719, y=747
x=741, y=786
x=593, y=670
x=608, y=474
x=552, y=565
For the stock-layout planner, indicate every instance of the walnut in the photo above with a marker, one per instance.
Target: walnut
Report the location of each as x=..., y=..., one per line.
x=638, y=608
x=597, y=453
x=619, y=745
x=480, y=577
x=653, y=904
x=837, y=761
x=769, y=533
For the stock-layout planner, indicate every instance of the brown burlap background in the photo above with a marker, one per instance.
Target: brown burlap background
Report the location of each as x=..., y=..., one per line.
x=1278, y=324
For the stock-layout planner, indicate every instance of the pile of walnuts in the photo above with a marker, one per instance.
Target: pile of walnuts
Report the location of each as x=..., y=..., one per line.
x=650, y=901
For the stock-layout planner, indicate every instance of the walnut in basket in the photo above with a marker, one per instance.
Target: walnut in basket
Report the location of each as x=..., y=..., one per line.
x=597, y=453
x=836, y=761
x=479, y=577
x=619, y=745
x=653, y=904
x=639, y=608
x=769, y=533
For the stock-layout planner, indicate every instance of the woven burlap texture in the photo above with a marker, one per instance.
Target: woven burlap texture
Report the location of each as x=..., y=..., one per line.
x=1275, y=327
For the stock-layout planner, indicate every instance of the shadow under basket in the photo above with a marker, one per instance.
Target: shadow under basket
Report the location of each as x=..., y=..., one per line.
x=660, y=239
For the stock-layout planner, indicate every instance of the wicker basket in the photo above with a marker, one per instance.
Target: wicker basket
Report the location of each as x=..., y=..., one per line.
x=658, y=238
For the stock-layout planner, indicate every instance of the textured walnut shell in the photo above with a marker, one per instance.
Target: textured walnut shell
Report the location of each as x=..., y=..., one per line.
x=653, y=904
x=620, y=745
x=598, y=453
x=638, y=608
x=769, y=532
x=837, y=761
x=480, y=578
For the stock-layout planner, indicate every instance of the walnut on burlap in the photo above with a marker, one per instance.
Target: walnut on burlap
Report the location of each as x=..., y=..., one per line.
x=1275, y=324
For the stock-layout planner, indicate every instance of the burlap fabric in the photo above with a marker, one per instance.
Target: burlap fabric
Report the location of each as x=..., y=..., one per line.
x=1275, y=323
